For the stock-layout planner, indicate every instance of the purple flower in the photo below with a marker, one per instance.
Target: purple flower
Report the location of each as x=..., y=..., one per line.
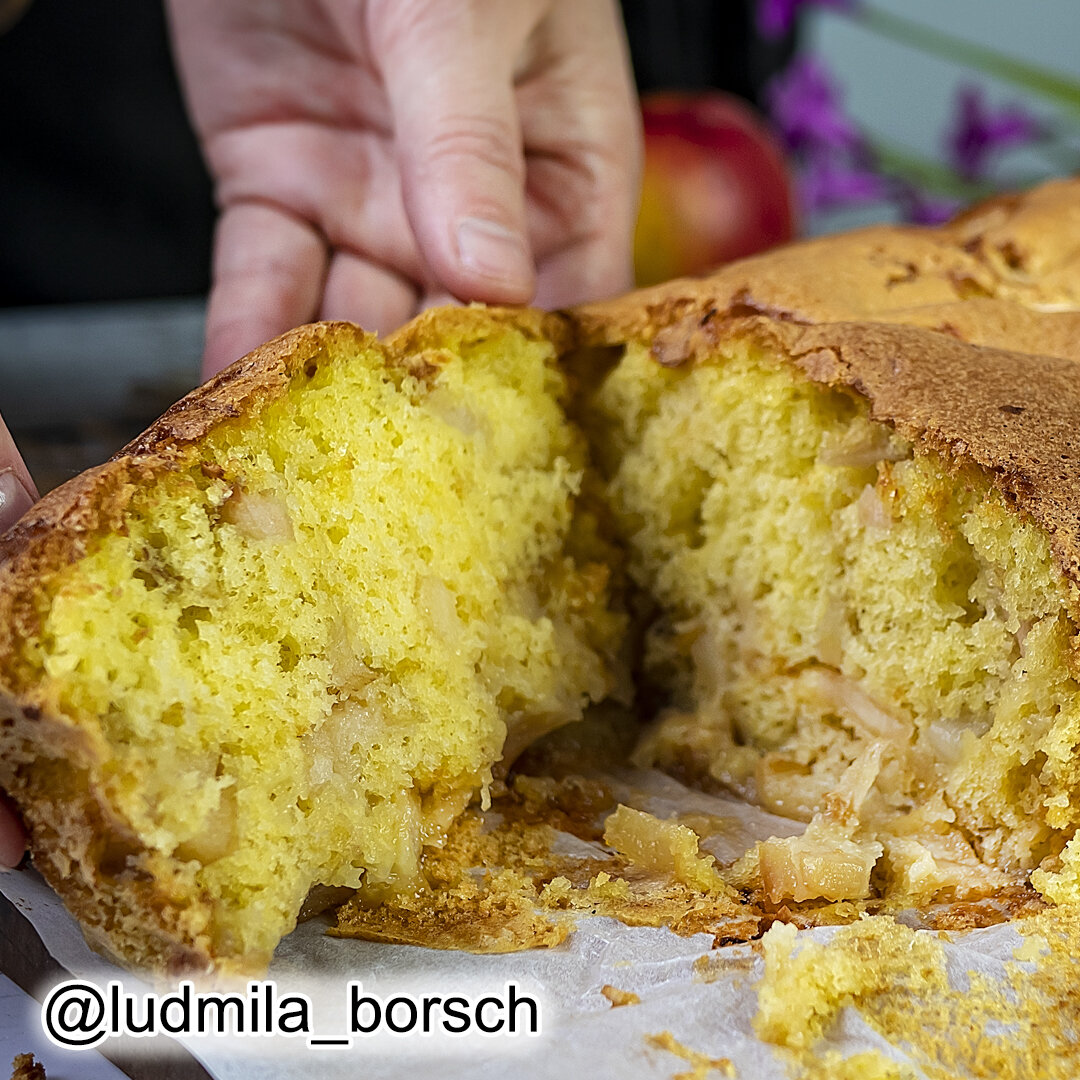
x=978, y=132
x=836, y=166
x=828, y=181
x=805, y=107
x=921, y=207
x=776, y=17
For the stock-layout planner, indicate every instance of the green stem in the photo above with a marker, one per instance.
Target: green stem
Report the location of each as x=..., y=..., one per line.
x=894, y=160
x=1050, y=84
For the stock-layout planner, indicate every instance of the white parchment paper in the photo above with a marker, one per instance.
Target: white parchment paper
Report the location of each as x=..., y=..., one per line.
x=582, y=1034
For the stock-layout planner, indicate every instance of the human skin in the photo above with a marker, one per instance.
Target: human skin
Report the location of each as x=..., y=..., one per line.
x=373, y=157
x=17, y=495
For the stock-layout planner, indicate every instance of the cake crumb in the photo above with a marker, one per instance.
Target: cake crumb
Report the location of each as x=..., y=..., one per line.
x=1015, y=1027
x=868, y=1065
x=24, y=1067
x=701, y=1065
x=500, y=884
x=709, y=967
x=619, y=997
x=1032, y=950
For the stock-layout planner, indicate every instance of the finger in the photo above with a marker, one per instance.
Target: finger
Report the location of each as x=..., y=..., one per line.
x=362, y=292
x=344, y=183
x=582, y=133
x=582, y=254
x=448, y=70
x=17, y=489
x=268, y=276
x=438, y=298
x=12, y=836
x=591, y=270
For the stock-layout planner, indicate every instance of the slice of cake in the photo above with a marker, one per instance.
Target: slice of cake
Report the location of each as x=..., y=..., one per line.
x=862, y=540
x=864, y=544
x=282, y=638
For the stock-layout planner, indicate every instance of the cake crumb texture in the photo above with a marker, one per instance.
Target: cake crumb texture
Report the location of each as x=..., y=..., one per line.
x=26, y=1067
x=856, y=627
x=301, y=651
x=947, y=1024
x=825, y=502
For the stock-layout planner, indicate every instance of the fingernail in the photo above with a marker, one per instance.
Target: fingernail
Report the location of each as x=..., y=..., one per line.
x=12, y=856
x=12, y=853
x=12, y=836
x=15, y=500
x=493, y=250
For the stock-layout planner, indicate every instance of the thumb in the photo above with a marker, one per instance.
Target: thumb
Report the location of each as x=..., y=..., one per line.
x=17, y=491
x=448, y=72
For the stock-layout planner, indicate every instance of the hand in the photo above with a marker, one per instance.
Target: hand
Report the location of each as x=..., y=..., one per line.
x=372, y=157
x=17, y=495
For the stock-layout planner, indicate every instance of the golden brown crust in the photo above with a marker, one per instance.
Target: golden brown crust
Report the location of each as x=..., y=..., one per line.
x=982, y=391
x=1016, y=416
x=436, y=327
x=1006, y=274
x=54, y=532
x=127, y=899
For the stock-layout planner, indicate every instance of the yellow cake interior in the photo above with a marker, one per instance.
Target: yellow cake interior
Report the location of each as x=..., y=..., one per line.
x=316, y=636
x=306, y=649
x=852, y=633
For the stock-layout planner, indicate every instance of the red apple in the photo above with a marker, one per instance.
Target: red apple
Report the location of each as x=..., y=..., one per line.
x=715, y=187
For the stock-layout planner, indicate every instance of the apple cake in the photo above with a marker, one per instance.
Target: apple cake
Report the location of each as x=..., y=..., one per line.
x=284, y=637
x=858, y=516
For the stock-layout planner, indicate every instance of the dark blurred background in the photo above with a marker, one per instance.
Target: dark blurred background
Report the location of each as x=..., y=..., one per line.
x=103, y=194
